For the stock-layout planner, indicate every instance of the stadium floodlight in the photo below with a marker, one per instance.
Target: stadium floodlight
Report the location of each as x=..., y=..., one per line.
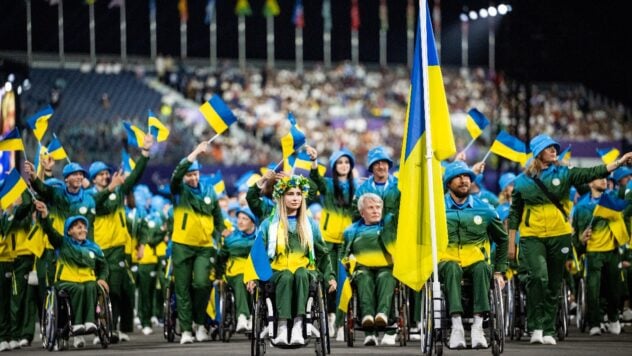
x=492, y=11
x=11, y=77
x=482, y=13
x=503, y=9
x=8, y=87
x=463, y=17
x=473, y=15
x=20, y=90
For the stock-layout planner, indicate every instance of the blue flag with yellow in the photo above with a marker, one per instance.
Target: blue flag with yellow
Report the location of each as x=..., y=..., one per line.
x=39, y=122
x=218, y=183
x=344, y=291
x=611, y=208
x=56, y=150
x=127, y=163
x=427, y=104
x=258, y=264
x=294, y=139
x=217, y=114
x=302, y=164
x=156, y=128
x=608, y=155
x=135, y=136
x=565, y=155
x=12, y=187
x=510, y=147
x=12, y=141
x=475, y=122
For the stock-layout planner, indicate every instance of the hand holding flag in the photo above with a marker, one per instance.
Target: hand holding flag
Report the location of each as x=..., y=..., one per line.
x=608, y=155
x=135, y=136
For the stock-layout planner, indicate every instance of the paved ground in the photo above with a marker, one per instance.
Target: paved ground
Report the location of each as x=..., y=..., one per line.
x=577, y=344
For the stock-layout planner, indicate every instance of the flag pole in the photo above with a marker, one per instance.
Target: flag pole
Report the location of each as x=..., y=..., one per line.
x=469, y=144
x=93, y=53
x=213, y=138
x=486, y=155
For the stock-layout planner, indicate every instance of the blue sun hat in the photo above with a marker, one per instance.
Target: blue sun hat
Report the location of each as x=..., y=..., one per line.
x=540, y=142
x=96, y=168
x=71, y=220
x=621, y=173
x=455, y=169
x=505, y=180
x=246, y=211
x=378, y=154
x=337, y=155
x=73, y=167
x=55, y=182
x=195, y=166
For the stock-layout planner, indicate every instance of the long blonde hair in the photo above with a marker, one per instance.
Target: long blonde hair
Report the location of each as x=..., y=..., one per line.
x=536, y=166
x=302, y=222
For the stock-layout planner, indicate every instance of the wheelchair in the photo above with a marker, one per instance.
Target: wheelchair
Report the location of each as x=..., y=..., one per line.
x=515, y=307
x=315, y=326
x=563, y=317
x=580, y=298
x=56, y=323
x=400, y=308
x=169, y=307
x=227, y=314
x=436, y=322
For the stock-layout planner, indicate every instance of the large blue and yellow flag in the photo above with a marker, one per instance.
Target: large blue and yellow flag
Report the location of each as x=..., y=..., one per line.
x=39, y=122
x=611, y=208
x=475, y=122
x=427, y=104
x=156, y=128
x=12, y=141
x=217, y=114
x=294, y=139
x=56, y=150
x=258, y=264
x=510, y=147
x=12, y=187
x=608, y=155
x=344, y=291
x=135, y=136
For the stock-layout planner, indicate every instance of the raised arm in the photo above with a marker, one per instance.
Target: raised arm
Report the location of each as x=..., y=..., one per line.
x=54, y=237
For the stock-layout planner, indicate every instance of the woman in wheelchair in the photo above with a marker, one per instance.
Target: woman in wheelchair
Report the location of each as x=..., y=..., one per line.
x=232, y=259
x=369, y=241
x=80, y=266
x=471, y=225
x=295, y=248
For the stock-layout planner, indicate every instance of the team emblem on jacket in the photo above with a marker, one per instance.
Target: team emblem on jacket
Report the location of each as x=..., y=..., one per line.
x=83, y=210
x=556, y=182
x=122, y=264
x=565, y=250
x=112, y=196
x=207, y=200
x=478, y=220
x=91, y=254
x=151, y=224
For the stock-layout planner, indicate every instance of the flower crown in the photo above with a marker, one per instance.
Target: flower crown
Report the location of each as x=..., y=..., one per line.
x=282, y=185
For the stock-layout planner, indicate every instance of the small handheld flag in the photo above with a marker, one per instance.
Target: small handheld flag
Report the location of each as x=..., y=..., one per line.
x=156, y=128
x=294, y=139
x=217, y=114
x=56, y=150
x=12, y=187
x=39, y=122
x=12, y=141
x=218, y=183
x=476, y=122
x=135, y=136
x=509, y=147
x=344, y=292
x=608, y=155
x=127, y=162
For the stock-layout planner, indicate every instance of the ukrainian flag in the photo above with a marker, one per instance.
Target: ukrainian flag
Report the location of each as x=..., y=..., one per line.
x=611, y=208
x=249, y=178
x=608, y=155
x=218, y=183
x=270, y=166
x=510, y=147
x=56, y=150
x=302, y=161
x=135, y=136
x=294, y=139
x=258, y=264
x=217, y=114
x=426, y=104
x=39, y=122
x=11, y=189
x=156, y=128
x=344, y=292
x=127, y=162
x=475, y=122
x=12, y=141
x=565, y=155
x=41, y=150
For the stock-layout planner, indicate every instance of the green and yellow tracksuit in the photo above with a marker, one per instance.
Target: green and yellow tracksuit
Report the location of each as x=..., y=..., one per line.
x=196, y=217
x=231, y=263
x=545, y=236
x=389, y=192
x=152, y=233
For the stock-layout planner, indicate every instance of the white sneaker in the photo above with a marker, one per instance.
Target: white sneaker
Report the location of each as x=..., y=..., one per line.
x=4, y=346
x=96, y=340
x=24, y=343
x=478, y=337
x=615, y=328
x=78, y=329
x=381, y=319
x=78, y=342
x=147, y=330
x=14, y=345
x=281, y=338
x=340, y=334
x=415, y=332
x=595, y=331
x=201, y=334
x=90, y=327
x=627, y=314
x=297, y=332
x=370, y=340
x=367, y=321
x=123, y=336
x=186, y=338
x=388, y=340
x=457, y=337
x=242, y=323
x=549, y=340
x=536, y=337
x=155, y=321
x=137, y=322
x=331, y=320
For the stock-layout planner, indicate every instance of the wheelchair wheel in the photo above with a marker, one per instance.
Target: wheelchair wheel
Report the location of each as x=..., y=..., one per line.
x=349, y=321
x=227, y=312
x=402, y=322
x=509, y=304
x=169, y=305
x=48, y=324
x=426, y=321
x=259, y=317
x=522, y=308
x=104, y=317
x=561, y=323
x=497, y=328
x=580, y=316
x=319, y=318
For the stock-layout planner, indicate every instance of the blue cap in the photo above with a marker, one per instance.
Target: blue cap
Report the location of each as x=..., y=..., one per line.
x=540, y=142
x=455, y=169
x=54, y=182
x=336, y=156
x=248, y=213
x=73, y=167
x=195, y=166
x=71, y=220
x=378, y=154
x=621, y=173
x=505, y=180
x=96, y=168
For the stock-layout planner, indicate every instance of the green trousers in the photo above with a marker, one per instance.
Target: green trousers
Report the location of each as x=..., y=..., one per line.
x=128, y=297
x=451, y=275
x=146, y=290
x=375, y=288
x=603, y=267
x=544, y=259
x=191, y=270
x=242, y=297
x=6, y=288
x=83, y=300
x=161, y=286
x=23, y=309
x=115, y=257
x=291, y=290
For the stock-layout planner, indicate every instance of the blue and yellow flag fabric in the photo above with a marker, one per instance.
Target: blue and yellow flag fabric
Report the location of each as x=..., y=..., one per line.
x=56, y=150
x=249, y=178
x=156, y=128
x=127, y=162
x=270, y=166
x=302, y=164
x=135, y=136
x=12, y=141
x=12, y=187
x=344, y=291
x=218, y=183
x=565, y=155
x=39, y=122
x=611, y=208
x=258, y=264
x=510, y=147
x=217, y=114
x=427, y=104
x=294, y=139
x=475, y=122
x=608, y=155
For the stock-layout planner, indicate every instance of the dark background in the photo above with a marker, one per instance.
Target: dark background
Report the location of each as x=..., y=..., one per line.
x=559, y=40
